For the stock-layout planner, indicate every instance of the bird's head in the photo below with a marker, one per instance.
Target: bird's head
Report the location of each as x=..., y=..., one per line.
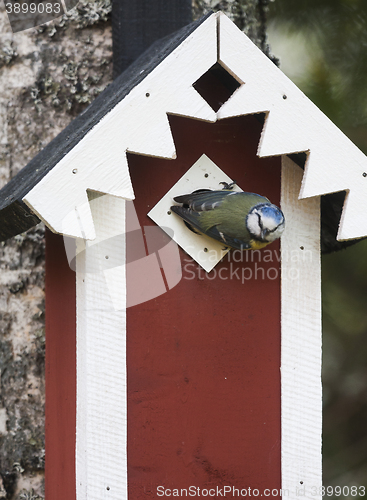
x=265, y=222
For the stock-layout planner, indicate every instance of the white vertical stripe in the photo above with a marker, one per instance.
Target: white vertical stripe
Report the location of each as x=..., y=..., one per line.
x=301, y=339
x=101, y=433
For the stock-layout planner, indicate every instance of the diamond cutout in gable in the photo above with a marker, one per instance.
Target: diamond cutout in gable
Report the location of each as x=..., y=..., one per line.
x=216, y=86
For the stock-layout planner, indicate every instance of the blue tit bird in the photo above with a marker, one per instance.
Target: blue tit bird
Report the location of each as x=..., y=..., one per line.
x=239, y=220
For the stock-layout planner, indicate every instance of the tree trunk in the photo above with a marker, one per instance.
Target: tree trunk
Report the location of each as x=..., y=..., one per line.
x=248, y=15
x=48, y=75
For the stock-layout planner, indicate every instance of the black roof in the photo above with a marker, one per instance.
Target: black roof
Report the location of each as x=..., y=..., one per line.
x=15, y=216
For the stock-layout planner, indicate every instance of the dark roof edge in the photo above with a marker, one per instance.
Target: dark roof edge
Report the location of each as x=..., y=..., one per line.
x=15, y=216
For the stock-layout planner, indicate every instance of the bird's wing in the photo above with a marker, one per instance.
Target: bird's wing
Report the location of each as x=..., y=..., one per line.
x=227, y=240
x=192, y=219
x=203, y=200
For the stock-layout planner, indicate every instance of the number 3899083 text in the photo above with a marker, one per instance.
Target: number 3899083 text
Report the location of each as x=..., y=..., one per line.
x=33, y=8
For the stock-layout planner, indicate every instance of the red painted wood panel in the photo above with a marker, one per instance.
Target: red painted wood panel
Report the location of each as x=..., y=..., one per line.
x=60, y=372
x=204, y=358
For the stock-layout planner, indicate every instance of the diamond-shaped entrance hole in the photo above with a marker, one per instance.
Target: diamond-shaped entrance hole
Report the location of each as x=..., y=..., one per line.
x=216, y=86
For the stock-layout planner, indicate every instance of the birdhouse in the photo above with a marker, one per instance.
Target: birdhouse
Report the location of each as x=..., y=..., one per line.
x=176, y=366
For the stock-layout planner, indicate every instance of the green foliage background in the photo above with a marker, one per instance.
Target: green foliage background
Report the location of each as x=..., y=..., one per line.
x=334, y=37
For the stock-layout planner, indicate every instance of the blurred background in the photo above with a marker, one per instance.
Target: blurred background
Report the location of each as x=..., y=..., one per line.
x=322, y=47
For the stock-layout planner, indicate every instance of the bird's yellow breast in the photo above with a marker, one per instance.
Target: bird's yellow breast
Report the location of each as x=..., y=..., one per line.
x=256, y=245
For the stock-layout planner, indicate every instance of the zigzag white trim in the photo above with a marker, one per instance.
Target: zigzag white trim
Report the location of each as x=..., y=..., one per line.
x=295, y=124
x=139, y=124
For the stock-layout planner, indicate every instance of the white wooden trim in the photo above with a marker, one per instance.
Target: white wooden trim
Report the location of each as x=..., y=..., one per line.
x=101, y=434
x=301, y=339
x=295, y=124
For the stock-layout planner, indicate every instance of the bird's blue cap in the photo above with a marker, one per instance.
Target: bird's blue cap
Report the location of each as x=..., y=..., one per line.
x=274, y=212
